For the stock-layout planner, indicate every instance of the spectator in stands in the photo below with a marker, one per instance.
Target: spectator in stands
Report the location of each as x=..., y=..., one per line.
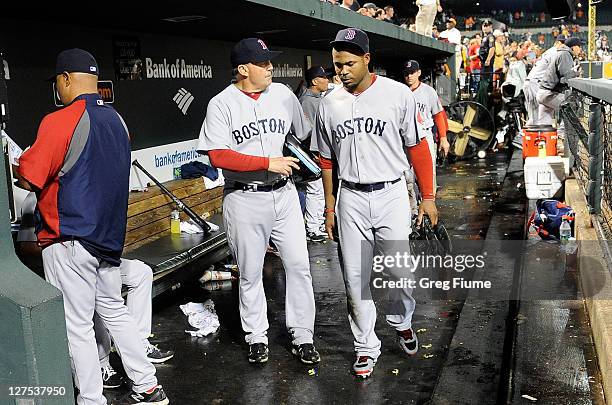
x=542, y=17
x=517, y=73
x=475, y=64
x=541, y=39
x=426, y=15
x=370, y=9
x=524, y=49
x=347, y=4
x=434, y=32
x=555, y=32
x=603, y=49
x=453, y=35
x=380, y=15
x=469, y=23
x=390, y=12
x=498, y=59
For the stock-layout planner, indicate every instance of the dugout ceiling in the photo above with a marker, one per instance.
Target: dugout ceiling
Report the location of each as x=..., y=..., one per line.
x=161, y=74
x=305, y=24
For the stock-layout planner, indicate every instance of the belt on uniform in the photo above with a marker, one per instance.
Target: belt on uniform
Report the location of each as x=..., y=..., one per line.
x=368, y=188
x=260, y=187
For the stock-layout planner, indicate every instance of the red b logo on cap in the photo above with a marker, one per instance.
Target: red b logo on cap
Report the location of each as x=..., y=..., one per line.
x=263, y=44
x=350, y=34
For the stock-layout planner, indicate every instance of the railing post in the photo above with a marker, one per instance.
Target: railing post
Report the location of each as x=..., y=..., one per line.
x=595, y=148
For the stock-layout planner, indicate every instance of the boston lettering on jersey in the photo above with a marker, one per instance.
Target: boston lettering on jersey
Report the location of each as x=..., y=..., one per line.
x=422, y=107
x=358, y=125
x=266, y=125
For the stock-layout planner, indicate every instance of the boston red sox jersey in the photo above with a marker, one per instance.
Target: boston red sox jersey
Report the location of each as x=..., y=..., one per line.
x=368, y=133
x=237, y=122
x=428, y=105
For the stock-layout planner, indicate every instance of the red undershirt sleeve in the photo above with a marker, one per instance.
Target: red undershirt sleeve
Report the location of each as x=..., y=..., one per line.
x=420, y=157
x=441, y=123
x=325, y=163
x=237, y=162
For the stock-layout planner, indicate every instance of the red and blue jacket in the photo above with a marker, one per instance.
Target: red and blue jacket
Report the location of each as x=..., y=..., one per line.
x=80, y=166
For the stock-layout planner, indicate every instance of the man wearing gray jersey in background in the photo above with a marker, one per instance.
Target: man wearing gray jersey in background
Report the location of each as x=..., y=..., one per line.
x=317, y=84
x=243, y=133
x=532, y=83
x=551, y=95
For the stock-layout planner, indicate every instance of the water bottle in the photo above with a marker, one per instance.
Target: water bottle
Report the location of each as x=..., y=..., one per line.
x=175, y=222
x=565, y=230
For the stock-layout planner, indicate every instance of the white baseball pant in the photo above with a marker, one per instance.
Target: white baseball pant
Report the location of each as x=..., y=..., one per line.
x=251, y=219
x=372, y=217
x=530, y=90
x=138, y=278
x=425, y=18
x=315, y=206
x=89, y=286
x=549, y=106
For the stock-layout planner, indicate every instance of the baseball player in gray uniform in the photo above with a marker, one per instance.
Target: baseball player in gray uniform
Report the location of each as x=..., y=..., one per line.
x=532, y=83
x=553, y=84
x=367, y=126
x=135, y=275
x=138, y=278
x=243, y=133
x=429, y=111
x=317, y=84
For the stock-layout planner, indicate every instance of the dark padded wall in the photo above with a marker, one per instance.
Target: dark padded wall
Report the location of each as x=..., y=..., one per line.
x=147, y=105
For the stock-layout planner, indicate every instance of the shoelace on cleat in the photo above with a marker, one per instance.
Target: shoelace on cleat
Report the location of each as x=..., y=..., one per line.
x=108, y=372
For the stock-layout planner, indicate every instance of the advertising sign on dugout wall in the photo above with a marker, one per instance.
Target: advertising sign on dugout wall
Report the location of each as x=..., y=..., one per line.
x=161, y=84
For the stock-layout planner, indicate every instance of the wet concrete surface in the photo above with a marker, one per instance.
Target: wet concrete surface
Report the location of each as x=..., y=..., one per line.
x=214, y=369
x=555, y=359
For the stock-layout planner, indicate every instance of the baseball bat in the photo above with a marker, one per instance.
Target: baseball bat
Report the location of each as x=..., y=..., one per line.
x=195, y=217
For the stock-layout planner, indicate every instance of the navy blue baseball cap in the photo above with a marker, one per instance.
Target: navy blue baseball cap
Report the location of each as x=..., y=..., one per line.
x=314, y=72
x=75, y=60
x=410, y=67
x=251, y=50
x=352, y=36
x=574, y=41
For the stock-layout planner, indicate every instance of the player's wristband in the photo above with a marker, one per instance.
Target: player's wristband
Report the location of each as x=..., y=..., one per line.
x=328, y=210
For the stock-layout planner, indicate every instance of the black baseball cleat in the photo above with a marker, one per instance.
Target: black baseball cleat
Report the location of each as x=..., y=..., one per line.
x=155, y=396
x=307, y=353
x=258, y=353
x=157, y=356
x=110, y=378
x=315, y=237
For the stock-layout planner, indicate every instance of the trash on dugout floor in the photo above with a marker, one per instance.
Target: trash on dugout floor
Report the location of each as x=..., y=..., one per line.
x=202, y=316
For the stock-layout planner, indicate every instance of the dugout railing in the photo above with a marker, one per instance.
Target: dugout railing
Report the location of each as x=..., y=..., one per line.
x=587, y=116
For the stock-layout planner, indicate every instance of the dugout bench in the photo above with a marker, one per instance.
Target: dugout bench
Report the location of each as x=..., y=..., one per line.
x=174, y=258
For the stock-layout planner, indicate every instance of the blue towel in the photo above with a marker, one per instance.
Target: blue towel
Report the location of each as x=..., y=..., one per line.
x=197, y=169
